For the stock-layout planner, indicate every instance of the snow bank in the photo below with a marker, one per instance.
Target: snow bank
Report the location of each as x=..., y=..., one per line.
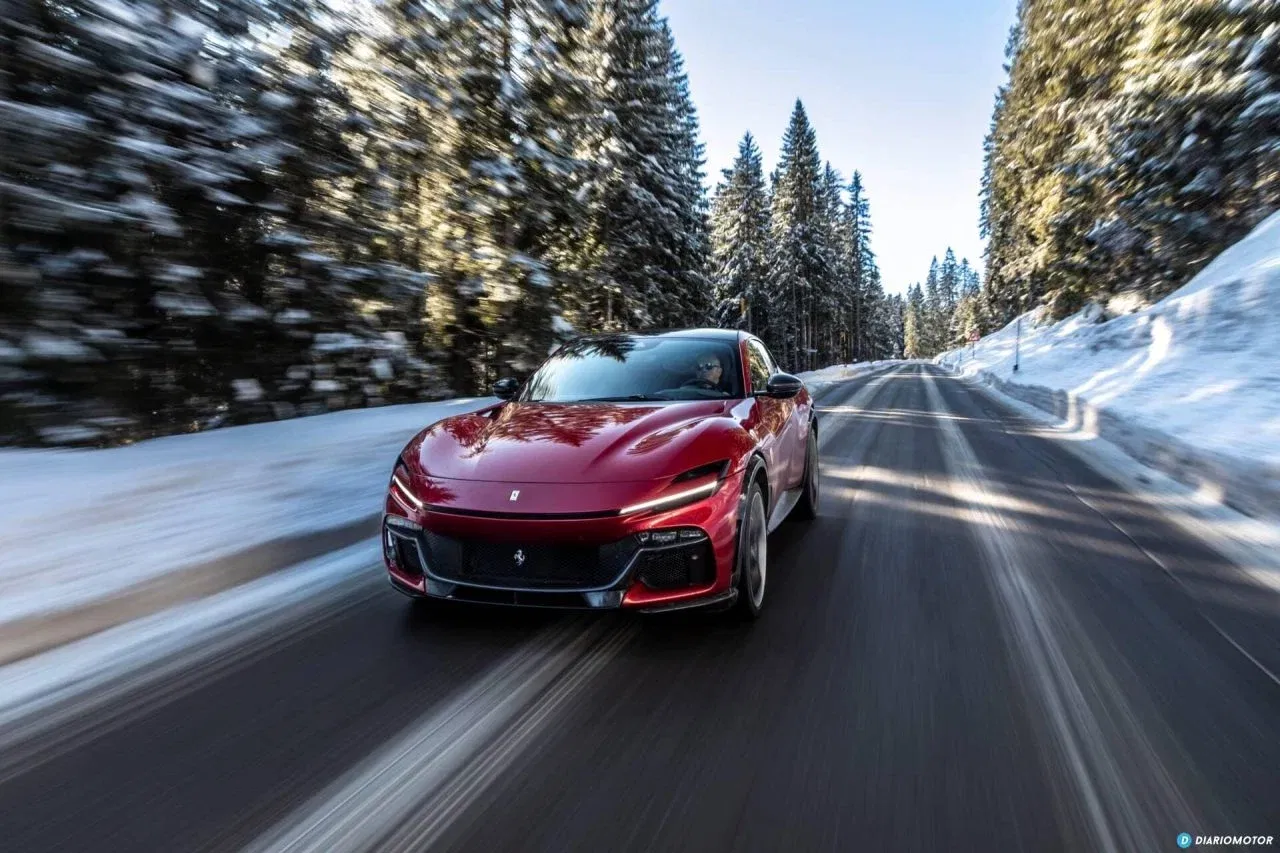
x=818, y=381
x=1189, y=386
x=78, y=525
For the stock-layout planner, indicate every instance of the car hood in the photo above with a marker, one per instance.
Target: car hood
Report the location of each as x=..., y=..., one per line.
x=574, y=443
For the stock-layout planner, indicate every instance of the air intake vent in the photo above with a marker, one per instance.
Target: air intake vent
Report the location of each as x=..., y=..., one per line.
x=676, y=567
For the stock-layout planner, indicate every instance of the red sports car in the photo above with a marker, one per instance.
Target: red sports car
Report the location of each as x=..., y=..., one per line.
x=641, y=471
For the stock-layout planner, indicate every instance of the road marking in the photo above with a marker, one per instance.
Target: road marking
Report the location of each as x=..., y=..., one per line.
x=1128, y=799
x=409, y=792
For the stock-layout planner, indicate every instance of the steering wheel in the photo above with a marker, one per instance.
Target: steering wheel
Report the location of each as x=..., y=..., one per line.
x=699, y=382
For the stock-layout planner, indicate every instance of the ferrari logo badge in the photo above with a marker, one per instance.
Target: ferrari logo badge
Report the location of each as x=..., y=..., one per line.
x=515, y=495
x=519, y=558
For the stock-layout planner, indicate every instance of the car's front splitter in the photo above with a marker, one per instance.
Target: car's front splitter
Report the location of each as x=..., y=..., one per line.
x=718, y=600
x=427, y=588
x=607, y=600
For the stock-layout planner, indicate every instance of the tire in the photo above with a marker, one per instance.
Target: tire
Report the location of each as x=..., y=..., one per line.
x=806, y=509
x=752, y=557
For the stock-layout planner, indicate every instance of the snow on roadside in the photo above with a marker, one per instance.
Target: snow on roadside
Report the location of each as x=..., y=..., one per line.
x=35, y=691
x=1197, y=372
x=79, y=525
x=819, y=380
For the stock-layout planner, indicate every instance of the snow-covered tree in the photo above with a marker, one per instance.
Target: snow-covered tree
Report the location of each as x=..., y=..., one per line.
x=514, y=100
x=949, y=282
x=866, y=293
x=691, y=236
x=226, y=211
x=740, y=248
x=648, y=205
x=914, y=333
x=831, y=296
x=799, y=262
x=1194, y=138
x=1134, y=140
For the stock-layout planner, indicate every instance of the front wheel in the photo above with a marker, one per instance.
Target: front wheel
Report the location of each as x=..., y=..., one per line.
x=807, y=507
x=753, y=554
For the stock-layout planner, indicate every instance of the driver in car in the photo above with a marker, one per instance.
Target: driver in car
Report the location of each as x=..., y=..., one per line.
x=707, y=370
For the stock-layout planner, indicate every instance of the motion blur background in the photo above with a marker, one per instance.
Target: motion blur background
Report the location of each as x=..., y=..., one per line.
x=225, y=212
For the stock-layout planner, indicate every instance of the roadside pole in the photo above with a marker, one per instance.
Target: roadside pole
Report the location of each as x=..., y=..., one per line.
x=1017, y=345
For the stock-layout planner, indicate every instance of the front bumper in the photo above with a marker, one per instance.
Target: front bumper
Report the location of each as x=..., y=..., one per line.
x=592, y=563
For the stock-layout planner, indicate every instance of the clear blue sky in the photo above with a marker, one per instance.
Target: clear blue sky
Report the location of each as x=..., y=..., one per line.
x=900, y=90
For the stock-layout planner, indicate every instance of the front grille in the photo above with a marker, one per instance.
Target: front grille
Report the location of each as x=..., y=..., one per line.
x=537, y=566
x=672, y=568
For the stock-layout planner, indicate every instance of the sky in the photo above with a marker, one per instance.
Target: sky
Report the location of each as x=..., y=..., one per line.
x=900, y=90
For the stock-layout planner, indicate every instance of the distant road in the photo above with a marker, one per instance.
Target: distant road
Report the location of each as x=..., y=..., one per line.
x=981, y=644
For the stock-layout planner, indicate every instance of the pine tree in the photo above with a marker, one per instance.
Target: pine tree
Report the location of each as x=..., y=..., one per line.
x=933, y=315
x=559, y=103
x=649, y=207
x=203, y=223
x=1194, y=136
x=1134, y=140
x=890, y=338
x=512, y=104
x=831, y=297
x=798, y=263
x=1060, y=59
x=740, y=242
x=862, y=270
x=691, y=236
x=915, y=343
x=949, y=282
x=968, y=278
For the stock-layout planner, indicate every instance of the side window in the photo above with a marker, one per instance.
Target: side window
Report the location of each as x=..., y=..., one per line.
x=759, y=362
x=769, y=359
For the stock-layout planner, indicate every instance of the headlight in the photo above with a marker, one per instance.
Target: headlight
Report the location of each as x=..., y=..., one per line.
x=718, y=470
x=400, y=485
x=671, y=536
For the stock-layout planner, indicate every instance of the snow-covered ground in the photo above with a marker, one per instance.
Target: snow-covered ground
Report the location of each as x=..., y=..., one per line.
x=819, y=380
x=78, y=525
x=1190, y=385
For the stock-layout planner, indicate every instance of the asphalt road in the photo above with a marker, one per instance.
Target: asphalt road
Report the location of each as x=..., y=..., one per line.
x=981, y=644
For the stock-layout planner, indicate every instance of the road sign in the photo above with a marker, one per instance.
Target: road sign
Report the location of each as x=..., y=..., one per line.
x=974, y=337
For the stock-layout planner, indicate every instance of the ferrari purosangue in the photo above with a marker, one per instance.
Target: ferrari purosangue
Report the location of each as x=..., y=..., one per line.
x=637, y=471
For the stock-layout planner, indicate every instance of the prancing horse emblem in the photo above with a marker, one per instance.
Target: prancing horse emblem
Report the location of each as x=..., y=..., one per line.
x=515, y=495
x=519, y=558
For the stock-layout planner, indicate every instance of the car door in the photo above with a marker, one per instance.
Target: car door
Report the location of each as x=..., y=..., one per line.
x=792, y=429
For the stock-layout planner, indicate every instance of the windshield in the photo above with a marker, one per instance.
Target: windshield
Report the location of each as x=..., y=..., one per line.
x=622, y=368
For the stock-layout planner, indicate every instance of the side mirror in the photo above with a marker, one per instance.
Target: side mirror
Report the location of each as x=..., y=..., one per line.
x=506, y=389
x=783, y=386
